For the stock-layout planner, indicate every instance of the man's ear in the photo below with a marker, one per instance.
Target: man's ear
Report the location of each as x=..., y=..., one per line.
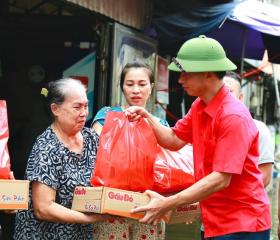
x=209, y=75
x=241, y=96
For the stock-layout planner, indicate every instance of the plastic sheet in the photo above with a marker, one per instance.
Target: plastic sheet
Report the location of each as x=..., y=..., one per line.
x=173, y=170
x=5, y=165
x=126, y=154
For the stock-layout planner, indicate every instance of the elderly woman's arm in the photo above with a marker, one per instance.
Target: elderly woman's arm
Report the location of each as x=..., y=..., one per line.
x=45, y=207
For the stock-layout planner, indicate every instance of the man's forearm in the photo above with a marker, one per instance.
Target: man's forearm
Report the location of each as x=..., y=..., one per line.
x=165, y=135
x=212, y=183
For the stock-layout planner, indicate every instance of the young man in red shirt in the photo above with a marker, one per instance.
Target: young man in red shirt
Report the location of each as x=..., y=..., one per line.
x=228, y=185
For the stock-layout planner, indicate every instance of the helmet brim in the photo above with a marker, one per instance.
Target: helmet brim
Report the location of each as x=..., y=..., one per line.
x=219, y=65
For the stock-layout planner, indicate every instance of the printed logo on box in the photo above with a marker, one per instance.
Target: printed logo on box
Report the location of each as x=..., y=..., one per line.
x=80, y=191
x=120, y=197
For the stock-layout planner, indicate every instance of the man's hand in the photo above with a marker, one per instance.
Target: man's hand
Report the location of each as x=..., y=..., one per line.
x=155, y=209
x=278, y=231
x=134, y=113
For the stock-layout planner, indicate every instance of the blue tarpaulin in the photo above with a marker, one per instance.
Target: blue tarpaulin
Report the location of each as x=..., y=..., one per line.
x=187, y=19
x=244, y=28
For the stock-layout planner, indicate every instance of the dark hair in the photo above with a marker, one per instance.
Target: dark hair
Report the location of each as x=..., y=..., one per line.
x=136, y=64
x=220, y=75
x=59, y=89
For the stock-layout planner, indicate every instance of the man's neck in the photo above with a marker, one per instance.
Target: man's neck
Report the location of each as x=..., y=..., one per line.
x=212, y=92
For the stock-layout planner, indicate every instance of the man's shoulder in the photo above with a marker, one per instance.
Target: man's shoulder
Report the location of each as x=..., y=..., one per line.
x=232, y=106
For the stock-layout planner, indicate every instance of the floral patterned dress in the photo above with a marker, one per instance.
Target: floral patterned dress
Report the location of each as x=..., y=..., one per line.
x=125, y=228
x=51, y=163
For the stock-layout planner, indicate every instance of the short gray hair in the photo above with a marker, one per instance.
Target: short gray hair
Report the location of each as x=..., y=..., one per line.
x=235, y=77
x=58, y=90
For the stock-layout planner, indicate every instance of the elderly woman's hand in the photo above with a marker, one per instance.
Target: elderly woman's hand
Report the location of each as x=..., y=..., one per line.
x=95, y=217
x=10, y=211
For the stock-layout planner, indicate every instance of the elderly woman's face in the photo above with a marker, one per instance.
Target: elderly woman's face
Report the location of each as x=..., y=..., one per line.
x=137, y=87
x=73, y=112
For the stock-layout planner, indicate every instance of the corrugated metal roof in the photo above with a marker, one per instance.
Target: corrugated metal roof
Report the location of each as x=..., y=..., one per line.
x=134, y=13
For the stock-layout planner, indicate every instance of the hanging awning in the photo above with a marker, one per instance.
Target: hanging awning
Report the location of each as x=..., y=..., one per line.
x=133, y=13
x=250, y=25
x=250, y=29
x=175, y=21
x=257, y=15
x=263, y=21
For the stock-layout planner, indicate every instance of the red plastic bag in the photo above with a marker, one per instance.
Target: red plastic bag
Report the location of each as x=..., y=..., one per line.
x=173, y=170
x=126, y=154
x=5, y=172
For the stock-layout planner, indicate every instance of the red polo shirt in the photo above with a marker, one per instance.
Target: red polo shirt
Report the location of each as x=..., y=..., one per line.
x=225, y=139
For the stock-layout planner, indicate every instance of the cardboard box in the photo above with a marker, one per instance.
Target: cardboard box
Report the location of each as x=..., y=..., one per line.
x=14, y=194
x=183, y=214
x=108, y=201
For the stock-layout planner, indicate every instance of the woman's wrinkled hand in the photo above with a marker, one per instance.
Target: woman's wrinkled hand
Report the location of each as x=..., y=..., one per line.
x=95, y=217
x=12, y=177
x=10, y=211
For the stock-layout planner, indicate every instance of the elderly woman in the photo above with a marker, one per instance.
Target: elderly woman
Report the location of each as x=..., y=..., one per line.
x=62, y=158
x=136, y=82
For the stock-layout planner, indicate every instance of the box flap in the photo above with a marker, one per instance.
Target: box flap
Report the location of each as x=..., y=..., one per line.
x=87, y=199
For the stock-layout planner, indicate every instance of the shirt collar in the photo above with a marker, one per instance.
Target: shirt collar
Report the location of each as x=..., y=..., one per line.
x=214, y=104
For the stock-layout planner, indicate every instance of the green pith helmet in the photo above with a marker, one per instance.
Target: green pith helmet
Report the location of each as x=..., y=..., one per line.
x=201, y=54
